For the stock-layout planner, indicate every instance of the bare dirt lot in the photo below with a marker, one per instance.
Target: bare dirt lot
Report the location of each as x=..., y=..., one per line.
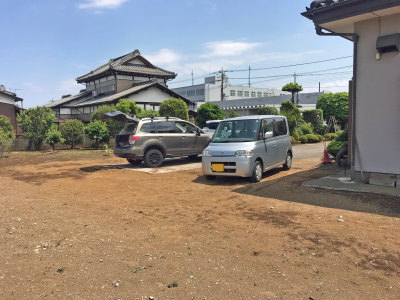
x=74, y=225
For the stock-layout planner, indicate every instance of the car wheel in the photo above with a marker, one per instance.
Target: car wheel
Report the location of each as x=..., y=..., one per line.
x=134, y=162
x=288, y=162
x=257, y=172
x=210, y=177
x=153, y=158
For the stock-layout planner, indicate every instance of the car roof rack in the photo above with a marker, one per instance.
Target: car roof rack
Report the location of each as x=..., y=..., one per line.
x=159, y=118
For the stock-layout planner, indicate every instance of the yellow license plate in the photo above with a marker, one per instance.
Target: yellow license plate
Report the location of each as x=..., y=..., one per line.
x=218, y=167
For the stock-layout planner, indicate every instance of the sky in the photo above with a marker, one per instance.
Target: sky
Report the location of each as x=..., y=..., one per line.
x=46, y=44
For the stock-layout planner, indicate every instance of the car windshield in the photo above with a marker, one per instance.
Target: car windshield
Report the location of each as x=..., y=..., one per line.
x=236, y=131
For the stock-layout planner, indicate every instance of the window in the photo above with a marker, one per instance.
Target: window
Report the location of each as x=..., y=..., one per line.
x=240, y=93
x=165, y=127
x=148, y=127
x=183, y=127
x=191, y=93
x=253, y=94
x=233, y=93
x=259, y=94
x=266, y=126
x=280, y=127
x=246, y=94
x=265, y=94
x=199, y=92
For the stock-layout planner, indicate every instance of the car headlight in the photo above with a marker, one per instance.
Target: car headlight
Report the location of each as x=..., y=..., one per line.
x=207, y=153
x=245, y=153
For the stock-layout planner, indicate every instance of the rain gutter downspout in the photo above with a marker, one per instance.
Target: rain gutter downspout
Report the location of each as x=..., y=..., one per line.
x=354, y=37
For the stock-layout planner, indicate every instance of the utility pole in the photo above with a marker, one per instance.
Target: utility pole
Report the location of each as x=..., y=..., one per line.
x=319, y=87
x=222, y=84
x=249, y=76
x=192, y=78
x=295, y=77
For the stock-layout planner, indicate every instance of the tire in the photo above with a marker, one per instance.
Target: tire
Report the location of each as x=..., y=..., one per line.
x=153, y=158
x=341, y=158
x=257, y=172
x=288, y=162
x=210, y=177
x=134, y=162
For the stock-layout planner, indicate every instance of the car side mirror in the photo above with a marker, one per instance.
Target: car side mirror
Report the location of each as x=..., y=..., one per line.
x=268, y=134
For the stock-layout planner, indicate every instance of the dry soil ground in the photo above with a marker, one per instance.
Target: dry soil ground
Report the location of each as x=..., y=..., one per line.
x=74, y=226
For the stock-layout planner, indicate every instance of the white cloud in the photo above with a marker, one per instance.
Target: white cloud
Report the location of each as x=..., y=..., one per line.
x=228, y=48
x=101, y=4
x=69, y=86
x=164, y=56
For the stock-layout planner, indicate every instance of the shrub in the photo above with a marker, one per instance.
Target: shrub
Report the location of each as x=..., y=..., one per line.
x=343, y=135
x=330, y=136
x=306, y=128
x=296, y=134
x=53, y=137
x=313, y=116
x=303, y=139
x=174, y=108
x=335, y=146
x=6, y=135
x=268, y=110
x=97, y=131
x=321, y=129
x=129, y=107
x=148, y=113
x=209, y=111
x=320, y=137
x=113, y=126
x=336, y=105
x=72, y=132
x=292, y=113
x=231, y=114
x=292, y=140
x=36, y=122
x=311, y=138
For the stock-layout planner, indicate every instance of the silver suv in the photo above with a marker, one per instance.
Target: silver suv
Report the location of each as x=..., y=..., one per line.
x=151, y=140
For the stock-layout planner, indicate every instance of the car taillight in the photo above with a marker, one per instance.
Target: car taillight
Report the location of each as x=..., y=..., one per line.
x=133, y=139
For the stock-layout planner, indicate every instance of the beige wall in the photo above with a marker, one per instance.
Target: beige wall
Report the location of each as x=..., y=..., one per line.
x=378, y=100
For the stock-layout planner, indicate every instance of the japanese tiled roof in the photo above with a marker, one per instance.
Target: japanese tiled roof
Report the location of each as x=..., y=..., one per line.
x=323, y=3
x=65, y=100
x=121, y=65
x=304, y=99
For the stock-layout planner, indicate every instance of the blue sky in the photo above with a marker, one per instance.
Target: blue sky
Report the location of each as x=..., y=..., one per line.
x=46, y=44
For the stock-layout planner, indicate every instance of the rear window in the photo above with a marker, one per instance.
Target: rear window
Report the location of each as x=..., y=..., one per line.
x=212, y=125
x=128, y=129
x=149, y=127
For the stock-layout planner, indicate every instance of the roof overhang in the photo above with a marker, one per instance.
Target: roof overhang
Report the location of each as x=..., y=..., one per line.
x=341, y=16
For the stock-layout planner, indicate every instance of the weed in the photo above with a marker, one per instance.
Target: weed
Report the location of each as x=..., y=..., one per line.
x=173, y=284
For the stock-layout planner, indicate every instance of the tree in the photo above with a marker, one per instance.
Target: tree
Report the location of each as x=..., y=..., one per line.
x=53, y=137
x=292, y=88
x=268, y=110
x=209, y=111
x=36, y=122
x=148, y=113
x=6, y=135
x=315, y=117
x=97, y=131
x=292, y=113
x=335, y=105
x=113, y=126
x=129, y=107
x=72, y=132
x=232, y=114
x=174, y=108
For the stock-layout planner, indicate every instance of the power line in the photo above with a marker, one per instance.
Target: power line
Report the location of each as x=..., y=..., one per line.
x=287, y=66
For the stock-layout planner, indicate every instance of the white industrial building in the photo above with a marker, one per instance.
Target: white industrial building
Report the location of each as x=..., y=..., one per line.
x=210, y=90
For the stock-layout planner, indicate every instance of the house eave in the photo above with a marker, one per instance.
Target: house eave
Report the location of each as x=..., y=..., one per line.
x=350, y=10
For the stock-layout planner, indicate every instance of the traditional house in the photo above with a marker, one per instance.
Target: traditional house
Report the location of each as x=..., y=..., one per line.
x=374, y=28
x=9, y=107
x=130, y=77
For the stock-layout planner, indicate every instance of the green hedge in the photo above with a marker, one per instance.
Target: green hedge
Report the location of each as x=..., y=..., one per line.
x=312, y=138
x=303, y=139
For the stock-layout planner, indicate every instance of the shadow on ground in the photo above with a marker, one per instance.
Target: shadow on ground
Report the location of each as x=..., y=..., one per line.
x=288, y=188
x=168, y=163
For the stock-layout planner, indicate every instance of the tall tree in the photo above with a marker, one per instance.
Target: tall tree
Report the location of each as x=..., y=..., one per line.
x=335, y=105
x=292, y=88
x=36, y=122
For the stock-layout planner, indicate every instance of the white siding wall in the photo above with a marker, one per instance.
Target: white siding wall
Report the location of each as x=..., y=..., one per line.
x=6, y=99
x=378, y=100
x=152, y=95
